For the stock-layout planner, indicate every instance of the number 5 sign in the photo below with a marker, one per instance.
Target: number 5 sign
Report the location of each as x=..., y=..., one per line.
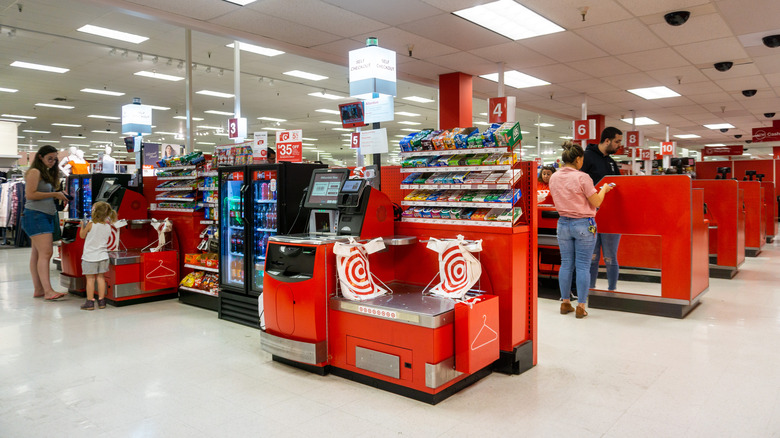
x=501, y=109
x=584, y=129
x=289, y=146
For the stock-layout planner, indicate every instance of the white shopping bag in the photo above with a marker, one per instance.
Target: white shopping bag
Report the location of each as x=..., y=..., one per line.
x=458, y=269
x=357, y=282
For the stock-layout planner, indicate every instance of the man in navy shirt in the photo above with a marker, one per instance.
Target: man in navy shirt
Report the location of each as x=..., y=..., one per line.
x=599, y=164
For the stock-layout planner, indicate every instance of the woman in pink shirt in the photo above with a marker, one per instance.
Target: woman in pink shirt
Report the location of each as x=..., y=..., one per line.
x=576, y=200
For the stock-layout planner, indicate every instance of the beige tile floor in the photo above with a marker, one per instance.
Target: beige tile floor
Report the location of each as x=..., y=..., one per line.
x=170, y=370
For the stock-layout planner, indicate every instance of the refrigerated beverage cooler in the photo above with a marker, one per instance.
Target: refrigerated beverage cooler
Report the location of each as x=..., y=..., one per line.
x=255, y=203
x=83, y=187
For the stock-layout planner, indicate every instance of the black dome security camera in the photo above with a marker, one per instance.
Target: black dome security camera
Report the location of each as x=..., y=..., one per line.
x=749, y=93
x=723, y=66
x=677, y=18
x=748, y=142
x=771, y=41
x=724, y=129
x=738, y=136
x=769, y=115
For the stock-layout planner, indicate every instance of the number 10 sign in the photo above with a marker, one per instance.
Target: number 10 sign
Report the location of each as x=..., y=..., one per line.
x=289, y=146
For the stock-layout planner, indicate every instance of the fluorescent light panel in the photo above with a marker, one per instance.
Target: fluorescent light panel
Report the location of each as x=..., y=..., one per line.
x=113, y=34
x=214, y=93
x=641, y=121
x=418, y=99
x=305, y=75
x=106, y=92
x=510, y=19
x=51, y=105
x=342, y=129
x=241, y=2
x=544, y=125
x=404, y=122
x=73, y=136
x=516, y=79
x=330, y=122
x=47, y=141
x=208, y=127
x=34, y=131
x=651, y=93
x=309, y=139
x=272, y=119
x=219, y=113
x=40, y=67
x=8, y=90
x=16, y=116
x=155, y=75
x=326, y=96
x=274, y=129
x=265, y=51
x=328, y=111
x=204, y=142
x=719, y=126
x=685, y=136
x=406, y=114
x=97, y=131
x=715, y=144
x=98, y=116
x=197, y=119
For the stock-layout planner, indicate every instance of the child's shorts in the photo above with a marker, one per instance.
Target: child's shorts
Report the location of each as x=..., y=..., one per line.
x=94, y=268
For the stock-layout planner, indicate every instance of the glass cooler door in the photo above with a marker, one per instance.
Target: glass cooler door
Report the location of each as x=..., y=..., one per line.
x=264, y=220
x=231, y=229
x=86, y=205
x=74, y=208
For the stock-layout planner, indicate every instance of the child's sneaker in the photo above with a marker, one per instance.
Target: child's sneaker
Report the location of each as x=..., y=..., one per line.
x=102, y=304
x=88, y=305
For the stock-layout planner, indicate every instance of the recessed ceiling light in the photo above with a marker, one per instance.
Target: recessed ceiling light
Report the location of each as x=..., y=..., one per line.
x=274, y=129
x=16, y=116
x=544, y=125
x=68, y=125
x=40, y=67
x=205, y=142
x=715, y=144
x=106, y=92
x=409, y=129
x=73, y=136
x=654, y=92
x=34, y=131
x=641, y=121
x=309, y=139
x=326, y=95
x=272, y=119
x=51, y=105
x=214, y=93
x=257, y=49
x=330, y=122
x=8, y=90
x=567, y=137
x=99, y=141
x=406, y=114
x=98, y=116
x=419, y=99
x=545, y=142
x=47, y=141
x=166, y=133
x=97, y=131
x=113, y=34
x=516, y=79
x=197, y=119
x=510, y=19
x=342, y=129
x=155, y=75
x=219, y=113
x=78, y=144
x=719, y=126
x=305, y=75
x=158, y=108
x=327, y=111
x=209, y=127
x=404, y=122
x=688, y=136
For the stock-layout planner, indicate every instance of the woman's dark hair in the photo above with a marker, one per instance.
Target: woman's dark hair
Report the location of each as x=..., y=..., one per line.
x=571, y=151
x=50, y=175
x=548, y=167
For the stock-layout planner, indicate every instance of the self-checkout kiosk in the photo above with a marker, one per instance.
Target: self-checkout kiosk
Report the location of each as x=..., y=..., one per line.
x=404, y=341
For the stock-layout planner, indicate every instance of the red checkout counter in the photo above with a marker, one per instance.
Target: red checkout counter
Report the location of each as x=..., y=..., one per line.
x=663, y=231
x=419, y=346
x=725, y=205
x=134, y=275
x=770, y=209
x=755, y=217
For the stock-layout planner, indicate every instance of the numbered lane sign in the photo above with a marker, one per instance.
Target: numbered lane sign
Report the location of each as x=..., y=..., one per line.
x=634, y=139
x=584, y=129
x=232, y=128
x=501, y=109
x=355, y=140
x=645, y=154
x=668, y=147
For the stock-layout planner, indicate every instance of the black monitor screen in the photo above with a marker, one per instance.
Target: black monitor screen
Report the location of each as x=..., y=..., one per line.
x=324, y=188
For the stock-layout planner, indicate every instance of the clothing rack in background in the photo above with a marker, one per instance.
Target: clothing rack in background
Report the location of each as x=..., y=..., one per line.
x=11, y=206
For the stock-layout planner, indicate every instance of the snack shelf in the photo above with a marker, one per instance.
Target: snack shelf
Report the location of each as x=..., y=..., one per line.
x=176, y=168
x=210, y=173
x=455, y=168
x=178, y=210
x=208, y=204
x=457, y=204
x=201, y=268
x=465, y=222
x=454, y=152
x=209, y=188
x=457, y=186
x=200, y=291
x=208, y=222
x=174, y=199
x=173, y=178
x=175, y=189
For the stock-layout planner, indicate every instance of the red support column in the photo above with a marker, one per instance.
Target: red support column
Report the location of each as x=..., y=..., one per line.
x=455, y=97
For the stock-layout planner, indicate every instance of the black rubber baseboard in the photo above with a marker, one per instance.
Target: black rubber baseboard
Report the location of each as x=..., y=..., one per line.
x=517, y=361
x=640, y=306
x=726, y=272
x=203, y=301
x=752, y=252
x=122, y=303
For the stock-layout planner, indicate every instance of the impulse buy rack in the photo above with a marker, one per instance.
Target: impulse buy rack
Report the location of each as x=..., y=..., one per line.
x=409, y=342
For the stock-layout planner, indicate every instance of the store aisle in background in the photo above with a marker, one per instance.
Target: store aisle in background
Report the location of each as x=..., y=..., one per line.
x=167, y=370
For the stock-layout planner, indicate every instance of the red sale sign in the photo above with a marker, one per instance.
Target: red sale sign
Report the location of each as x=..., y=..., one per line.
x=667, y=147
x=289, y=146
x=584, y=129
x=501, y=109
x=633, y=139
x=355, y=144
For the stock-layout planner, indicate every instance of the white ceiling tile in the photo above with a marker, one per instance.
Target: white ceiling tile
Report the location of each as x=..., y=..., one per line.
x=720, y=97
x=673, y=77
x=275, y=28
x=564, y=47
x=600, y=67
x=319, y=15
x=709, y=52
x=698, y=28
x=736, y=71
x=738, y=84
x=631, y=80
x=654, y=59
x=198, y=9
x=643, y=7
x=393, y=13
x=399, y=40
x=453, y=31
x=516, y=56
x=589, y=86
x=748, y=17
x=556, y=73
x=622, y=37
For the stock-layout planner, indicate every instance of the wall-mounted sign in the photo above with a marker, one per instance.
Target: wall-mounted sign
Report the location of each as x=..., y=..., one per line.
x=136, y=119
x=709, y=151
x=371, y=70
x=766, y=134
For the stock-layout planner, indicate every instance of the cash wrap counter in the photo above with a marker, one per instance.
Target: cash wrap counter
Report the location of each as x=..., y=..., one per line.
x=725, y=209
x=663, y=230
x=755, y=217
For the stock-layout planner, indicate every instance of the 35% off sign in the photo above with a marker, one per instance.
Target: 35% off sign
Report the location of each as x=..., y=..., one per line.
x=289, y=146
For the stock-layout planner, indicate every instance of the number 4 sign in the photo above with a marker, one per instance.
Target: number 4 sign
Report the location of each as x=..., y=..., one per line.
x=501, y=109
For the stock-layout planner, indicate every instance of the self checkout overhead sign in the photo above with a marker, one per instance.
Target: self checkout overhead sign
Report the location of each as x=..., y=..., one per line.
x=372, y=70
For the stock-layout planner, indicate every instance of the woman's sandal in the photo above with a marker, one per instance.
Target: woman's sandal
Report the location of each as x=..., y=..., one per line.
x=55, y=297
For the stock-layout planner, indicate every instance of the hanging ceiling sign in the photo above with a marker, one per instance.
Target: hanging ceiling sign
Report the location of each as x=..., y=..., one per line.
x=766, y=134
x=136, y=119
x=372, y=70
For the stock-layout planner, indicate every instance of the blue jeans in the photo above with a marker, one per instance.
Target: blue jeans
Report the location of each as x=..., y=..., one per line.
x=575, y=242
x=607, y=243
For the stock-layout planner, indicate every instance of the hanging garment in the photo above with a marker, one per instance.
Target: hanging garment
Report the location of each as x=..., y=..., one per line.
x=458, y=269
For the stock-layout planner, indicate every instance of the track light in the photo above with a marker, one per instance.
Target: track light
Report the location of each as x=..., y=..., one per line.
x=112, y=52
x=155, y=59
x=170, y=62
x=124, y=53
x=140, y=57
x=181, y=65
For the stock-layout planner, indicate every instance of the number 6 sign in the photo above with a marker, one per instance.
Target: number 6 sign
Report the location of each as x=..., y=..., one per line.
x=584, y=129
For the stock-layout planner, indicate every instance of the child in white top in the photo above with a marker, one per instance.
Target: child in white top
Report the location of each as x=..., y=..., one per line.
x=94, y=259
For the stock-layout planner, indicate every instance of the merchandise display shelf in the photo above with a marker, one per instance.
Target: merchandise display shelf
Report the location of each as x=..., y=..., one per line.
x=209, y=188
x=457, y=204
x=455, y=168
x=210, y=173
x=173, y=178
x=454, y=152
x=457, y=186
x=207, y=204
x=459, y=222
x=208, y=222
x=165, y=169
x=175, y=189
x=174, y=199
x=176, y=210
x=201, y=268
x=199, y=291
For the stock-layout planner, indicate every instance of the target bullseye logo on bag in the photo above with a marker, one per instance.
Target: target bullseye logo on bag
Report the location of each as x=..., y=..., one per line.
x=459, y=270
x=355, y=278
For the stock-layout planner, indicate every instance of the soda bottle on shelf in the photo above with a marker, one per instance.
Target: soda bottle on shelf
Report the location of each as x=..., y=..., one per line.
x=264, y=191
x=272, y=188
